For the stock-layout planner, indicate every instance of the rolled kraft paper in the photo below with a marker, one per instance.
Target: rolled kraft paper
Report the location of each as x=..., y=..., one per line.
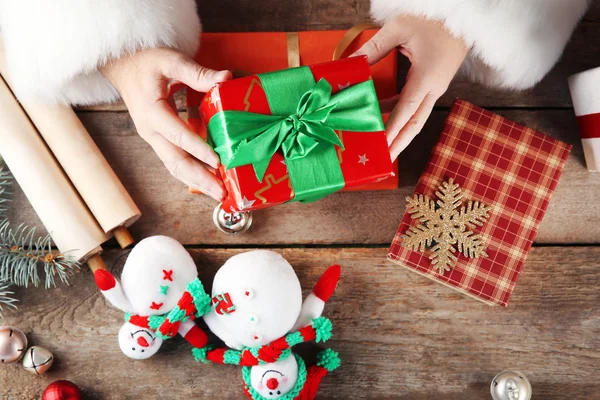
x=585, y=93
x=64, y=214
x=84, y=164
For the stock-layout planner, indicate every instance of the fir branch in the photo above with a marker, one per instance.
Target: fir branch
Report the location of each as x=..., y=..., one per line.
x=5, y=184
x=5, y=297
x=22, y=255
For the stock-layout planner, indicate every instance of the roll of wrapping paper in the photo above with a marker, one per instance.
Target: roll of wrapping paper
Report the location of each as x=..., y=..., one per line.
x=84, y=164
x=64, y=214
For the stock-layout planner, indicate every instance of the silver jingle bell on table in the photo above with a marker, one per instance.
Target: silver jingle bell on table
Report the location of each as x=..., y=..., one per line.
x=13, y=343
x=232, y=223
x=37, y=360
x=511, y=385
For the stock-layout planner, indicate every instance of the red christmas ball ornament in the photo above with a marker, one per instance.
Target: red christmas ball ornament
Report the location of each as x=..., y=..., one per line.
x=62, y=390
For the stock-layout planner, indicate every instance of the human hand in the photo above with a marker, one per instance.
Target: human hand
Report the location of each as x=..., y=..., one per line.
x=435, y=57
x=146, y=81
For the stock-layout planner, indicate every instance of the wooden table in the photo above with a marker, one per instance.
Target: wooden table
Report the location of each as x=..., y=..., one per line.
x=399, y=335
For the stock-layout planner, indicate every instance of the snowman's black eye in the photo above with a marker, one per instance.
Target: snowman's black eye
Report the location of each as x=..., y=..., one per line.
x=133, y=348
x=271, y=393
x=142, y=350
x=278, y=392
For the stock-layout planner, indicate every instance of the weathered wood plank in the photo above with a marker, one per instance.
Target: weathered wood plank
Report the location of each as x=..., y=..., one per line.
x=342, y=218
x=272, y=15
x=399, y=335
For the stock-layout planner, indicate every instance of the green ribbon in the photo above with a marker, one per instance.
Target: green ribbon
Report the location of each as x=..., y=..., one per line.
x=302, y=126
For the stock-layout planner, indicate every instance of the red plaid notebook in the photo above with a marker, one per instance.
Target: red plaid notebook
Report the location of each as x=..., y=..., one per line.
x=510, y=168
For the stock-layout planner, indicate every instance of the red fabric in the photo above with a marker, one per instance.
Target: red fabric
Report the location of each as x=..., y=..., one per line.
x=308, y=333
x=142, y=341
x=314, y=376
x=280, y=343
x=247, y=359
x=222, y=304
x=140, y=321
x=216, y=355
x=196, y=337
x=508, y=167
x=327, y=283
x=269, y=354
x=62, y=390
x=168, y=275
x=104, y=280
x=272, y=383
x=169, y=329
x=589, y=126
x=186, y=303
x=247, y=94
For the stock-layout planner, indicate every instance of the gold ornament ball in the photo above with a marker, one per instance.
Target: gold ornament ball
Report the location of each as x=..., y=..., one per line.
x=13, y=343
x=37, y=360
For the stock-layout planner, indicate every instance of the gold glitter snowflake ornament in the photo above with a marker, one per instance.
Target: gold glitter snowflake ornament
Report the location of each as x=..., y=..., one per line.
x=444, y=224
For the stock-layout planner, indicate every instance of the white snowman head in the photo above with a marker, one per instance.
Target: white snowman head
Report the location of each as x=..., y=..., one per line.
x=154, y=278
x=156, y=274
x=256, y=298
x=275, y=380
x=137, y=342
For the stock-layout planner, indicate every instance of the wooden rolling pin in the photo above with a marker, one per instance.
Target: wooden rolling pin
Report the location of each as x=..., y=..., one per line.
x=66, y=217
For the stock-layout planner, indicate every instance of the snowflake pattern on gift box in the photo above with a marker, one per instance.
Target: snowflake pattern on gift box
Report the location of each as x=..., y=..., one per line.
x=443, y=225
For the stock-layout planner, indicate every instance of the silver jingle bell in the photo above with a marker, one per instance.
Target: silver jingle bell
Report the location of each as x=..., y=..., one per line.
x=13, y=344
x=231, y=223
x=37, y=360
x=511, y=385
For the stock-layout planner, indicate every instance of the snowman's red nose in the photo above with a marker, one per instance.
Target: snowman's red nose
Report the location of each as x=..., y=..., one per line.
x=272, y=383
x=143, y=342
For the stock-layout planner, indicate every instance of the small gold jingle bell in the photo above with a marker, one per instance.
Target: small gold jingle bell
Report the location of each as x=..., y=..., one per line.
x=37, y=360
x=13, y=344
x=511, y=385
x=231, y=223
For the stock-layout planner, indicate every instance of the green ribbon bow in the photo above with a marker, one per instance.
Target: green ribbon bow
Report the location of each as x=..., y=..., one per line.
x=302, y=126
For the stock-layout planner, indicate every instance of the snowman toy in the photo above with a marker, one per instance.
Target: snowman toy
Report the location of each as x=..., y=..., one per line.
x=161, y=295
x=257, y=310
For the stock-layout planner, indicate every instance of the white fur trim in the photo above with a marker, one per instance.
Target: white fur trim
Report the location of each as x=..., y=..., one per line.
x=54, y=48
x=513, y=43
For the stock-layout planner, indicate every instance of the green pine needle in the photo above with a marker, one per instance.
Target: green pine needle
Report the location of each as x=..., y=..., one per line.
x=5, y=184
x=6, y=299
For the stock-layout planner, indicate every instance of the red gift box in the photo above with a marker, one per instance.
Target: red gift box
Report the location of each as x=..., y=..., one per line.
x=365, y=157
x=511, y=169
x=237, y=51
